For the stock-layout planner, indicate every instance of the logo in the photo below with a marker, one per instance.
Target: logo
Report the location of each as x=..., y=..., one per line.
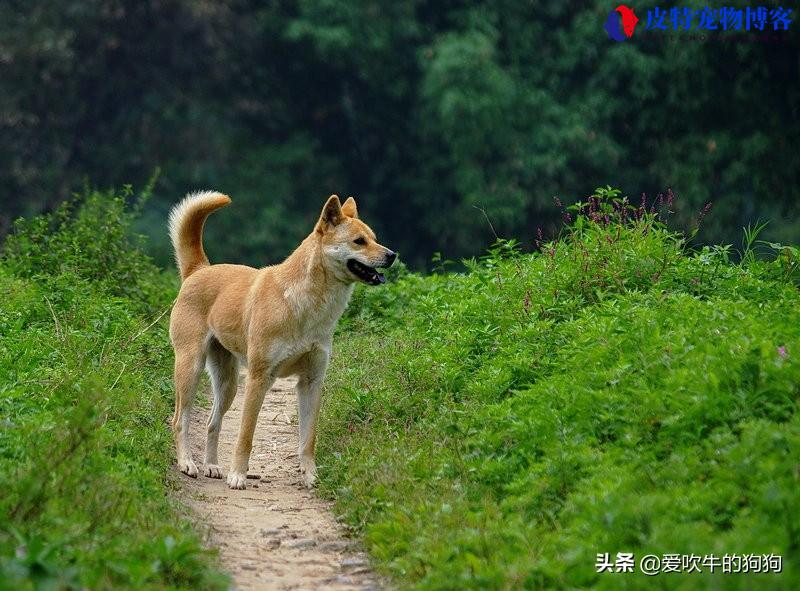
x=719, y=19
x=628, y=19
x=622, y=21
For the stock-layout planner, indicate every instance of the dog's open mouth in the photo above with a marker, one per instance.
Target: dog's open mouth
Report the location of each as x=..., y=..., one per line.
x=366, y=274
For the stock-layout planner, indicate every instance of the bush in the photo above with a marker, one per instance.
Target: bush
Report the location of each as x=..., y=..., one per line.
x=84, y=397
x=90, y=239
x=613, y=392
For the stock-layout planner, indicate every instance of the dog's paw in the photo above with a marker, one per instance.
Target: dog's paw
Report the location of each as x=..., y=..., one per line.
x=188, y=467
x=212, y=471
x=310, y=480
x=237, y=480
x=308, y=469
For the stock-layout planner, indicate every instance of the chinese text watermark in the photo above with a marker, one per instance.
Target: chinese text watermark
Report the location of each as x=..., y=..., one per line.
x=655, y=564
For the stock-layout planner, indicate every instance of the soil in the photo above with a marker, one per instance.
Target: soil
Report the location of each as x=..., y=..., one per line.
x=276, y=534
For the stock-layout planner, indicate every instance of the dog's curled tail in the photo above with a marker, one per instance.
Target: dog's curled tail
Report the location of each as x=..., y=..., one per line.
x=186, y=221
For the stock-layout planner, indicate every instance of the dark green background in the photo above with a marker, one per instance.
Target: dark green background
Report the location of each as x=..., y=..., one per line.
x=425, y=110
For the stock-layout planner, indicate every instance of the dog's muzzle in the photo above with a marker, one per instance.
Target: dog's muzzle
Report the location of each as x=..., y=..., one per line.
x=367, y=274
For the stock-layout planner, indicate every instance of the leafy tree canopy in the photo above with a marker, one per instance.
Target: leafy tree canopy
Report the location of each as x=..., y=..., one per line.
x=426, y=111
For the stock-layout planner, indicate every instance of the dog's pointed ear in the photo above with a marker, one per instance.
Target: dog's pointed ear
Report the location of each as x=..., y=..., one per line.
x=331, y=215
x=349, y=208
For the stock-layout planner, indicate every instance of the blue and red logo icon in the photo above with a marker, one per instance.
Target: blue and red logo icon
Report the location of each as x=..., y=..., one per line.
x=620, y=23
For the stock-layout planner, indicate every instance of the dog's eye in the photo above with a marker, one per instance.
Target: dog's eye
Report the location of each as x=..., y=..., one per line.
x=360, y=241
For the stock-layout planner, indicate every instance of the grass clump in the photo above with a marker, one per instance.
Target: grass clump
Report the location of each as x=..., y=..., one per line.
x=84, y=399
x=613, y=392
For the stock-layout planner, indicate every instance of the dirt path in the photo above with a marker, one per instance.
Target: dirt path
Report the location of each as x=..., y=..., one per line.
x=274, y=535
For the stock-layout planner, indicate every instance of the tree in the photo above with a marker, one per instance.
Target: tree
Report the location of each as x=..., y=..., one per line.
x=427, y=111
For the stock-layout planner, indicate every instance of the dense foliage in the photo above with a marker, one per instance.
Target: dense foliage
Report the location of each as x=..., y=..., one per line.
x=85, y=393
x=425, y=110
x=613, y=392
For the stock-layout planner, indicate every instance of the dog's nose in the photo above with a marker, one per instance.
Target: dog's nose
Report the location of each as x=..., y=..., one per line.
x=390, y=257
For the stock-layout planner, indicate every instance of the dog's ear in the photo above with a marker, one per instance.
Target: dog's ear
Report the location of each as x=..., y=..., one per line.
x=331, y=215
x=349, y=208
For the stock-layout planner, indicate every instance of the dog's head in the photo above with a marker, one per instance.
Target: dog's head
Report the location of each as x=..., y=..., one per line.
x=349, y=247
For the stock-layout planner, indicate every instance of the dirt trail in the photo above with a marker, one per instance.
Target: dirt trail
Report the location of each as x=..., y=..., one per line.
x=274, y=535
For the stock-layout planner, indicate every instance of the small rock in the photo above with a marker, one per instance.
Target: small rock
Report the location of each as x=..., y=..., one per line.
x=269, y=532
x=335, y=546
x=254, y=476
x=248, y=566
x=303, y=543
x=353, y=562
x=255, y=486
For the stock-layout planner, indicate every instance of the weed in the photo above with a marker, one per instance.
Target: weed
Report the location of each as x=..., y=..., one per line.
x=84, y=398
x=613, y=392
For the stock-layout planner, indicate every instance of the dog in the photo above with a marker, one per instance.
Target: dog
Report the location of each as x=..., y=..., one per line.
x=278, y=321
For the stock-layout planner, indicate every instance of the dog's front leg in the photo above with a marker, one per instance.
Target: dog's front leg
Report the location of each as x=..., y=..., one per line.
x=260, y=377
x=309, y=399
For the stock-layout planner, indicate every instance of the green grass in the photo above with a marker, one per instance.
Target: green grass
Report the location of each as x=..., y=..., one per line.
x=614, y=392
x=490, y=429
x=85, y=397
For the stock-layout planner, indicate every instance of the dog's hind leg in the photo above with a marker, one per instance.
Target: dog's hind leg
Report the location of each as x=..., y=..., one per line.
x=188, y=365
x=223, y=368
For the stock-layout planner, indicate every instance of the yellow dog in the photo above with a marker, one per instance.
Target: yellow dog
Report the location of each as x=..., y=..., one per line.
x=277, y=320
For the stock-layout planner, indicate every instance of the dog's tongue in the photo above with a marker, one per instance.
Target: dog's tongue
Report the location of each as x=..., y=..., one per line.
x=381, y=278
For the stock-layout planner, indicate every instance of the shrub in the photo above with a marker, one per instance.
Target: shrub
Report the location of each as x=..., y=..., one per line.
x=89, y=238
x=84, y=398
x=613, y=392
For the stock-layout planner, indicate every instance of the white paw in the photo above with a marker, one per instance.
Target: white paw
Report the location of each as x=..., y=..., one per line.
x=309, y=470
x=212, y=471
x=188, y=467
x=237, y=480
